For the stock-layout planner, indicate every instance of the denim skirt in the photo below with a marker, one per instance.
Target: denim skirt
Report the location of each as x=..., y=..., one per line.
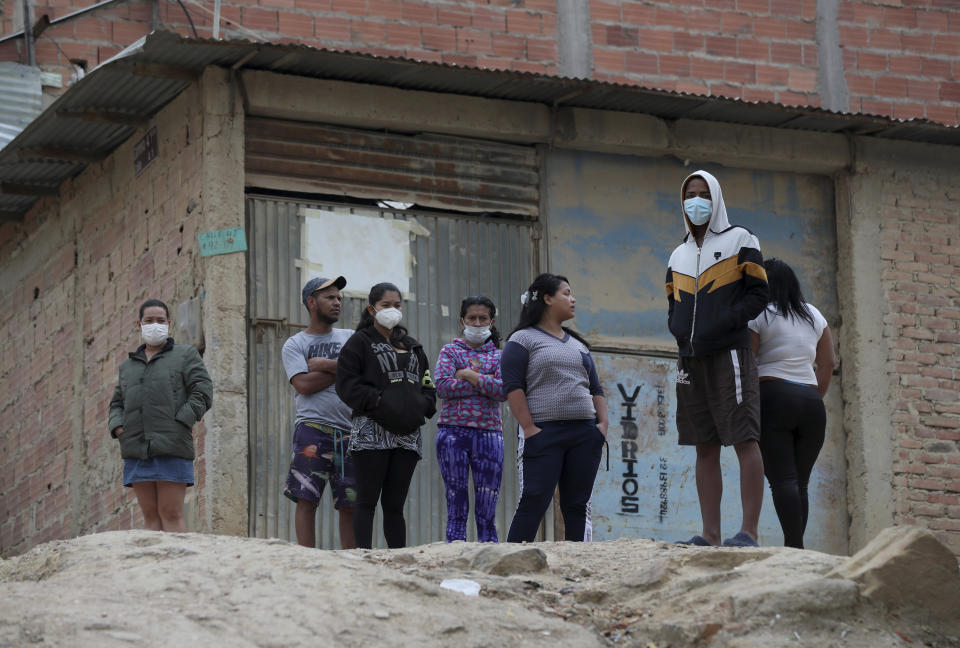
x=164, y=468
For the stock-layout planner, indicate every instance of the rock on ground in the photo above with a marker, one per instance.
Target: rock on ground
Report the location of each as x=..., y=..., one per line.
x=908, y=570
x=152, y=589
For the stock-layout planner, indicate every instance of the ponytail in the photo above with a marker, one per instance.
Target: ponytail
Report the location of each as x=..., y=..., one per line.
x=534, y=307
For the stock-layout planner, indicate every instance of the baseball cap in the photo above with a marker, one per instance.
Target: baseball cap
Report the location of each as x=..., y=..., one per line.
x=319, y=283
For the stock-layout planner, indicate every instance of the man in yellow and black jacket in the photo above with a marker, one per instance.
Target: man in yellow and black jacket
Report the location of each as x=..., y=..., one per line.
x=715, y=285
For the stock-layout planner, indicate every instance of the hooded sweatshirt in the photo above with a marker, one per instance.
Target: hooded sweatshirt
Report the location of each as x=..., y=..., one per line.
x=394, y=389
x=463, y=404
x=714, y=290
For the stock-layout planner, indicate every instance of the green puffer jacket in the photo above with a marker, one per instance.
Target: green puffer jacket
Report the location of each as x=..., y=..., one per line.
x=158, y=402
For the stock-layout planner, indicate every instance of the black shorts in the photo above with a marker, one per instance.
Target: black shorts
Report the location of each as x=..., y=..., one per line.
x=718, y=398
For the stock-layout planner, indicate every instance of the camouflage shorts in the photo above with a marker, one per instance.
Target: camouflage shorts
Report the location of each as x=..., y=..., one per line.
x=320, y=455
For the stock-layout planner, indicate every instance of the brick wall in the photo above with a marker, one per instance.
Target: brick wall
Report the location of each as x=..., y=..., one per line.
x=902, y=58
x=902, y=61
x=921, y=258
x=758, y=50
x=35, y=450
x=74, y=274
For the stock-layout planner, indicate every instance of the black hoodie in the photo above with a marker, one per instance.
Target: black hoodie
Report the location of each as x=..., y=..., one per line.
x=373, y=382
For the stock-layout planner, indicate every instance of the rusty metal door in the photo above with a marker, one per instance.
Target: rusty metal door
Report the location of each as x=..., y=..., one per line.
x=454, y=256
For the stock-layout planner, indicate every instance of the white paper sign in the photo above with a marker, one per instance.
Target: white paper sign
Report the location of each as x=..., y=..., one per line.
x=366, y=249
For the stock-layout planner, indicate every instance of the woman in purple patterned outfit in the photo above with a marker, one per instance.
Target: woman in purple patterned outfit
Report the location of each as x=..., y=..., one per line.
x=470, y=433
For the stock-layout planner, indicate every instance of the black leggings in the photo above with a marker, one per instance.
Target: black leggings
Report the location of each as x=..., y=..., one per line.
x=793, y=422
x=382, y=475
x=565, y=454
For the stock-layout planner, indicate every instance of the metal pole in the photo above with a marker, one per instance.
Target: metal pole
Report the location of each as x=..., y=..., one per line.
x=216, y=20
x=28, y=34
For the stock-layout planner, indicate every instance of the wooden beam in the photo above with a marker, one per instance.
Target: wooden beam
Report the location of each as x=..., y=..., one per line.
x=243, y=61
x=16, y=189
x=106, y=116
x=66, y=154
x=41, y=25
x=283, y=60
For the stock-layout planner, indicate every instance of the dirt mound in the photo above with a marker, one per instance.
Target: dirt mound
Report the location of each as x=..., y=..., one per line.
x=120, y=588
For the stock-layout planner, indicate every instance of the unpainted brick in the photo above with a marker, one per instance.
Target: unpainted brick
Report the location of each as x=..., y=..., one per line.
x=419, y=12
x=641, y=63
x=603, y=10
x=520, y=21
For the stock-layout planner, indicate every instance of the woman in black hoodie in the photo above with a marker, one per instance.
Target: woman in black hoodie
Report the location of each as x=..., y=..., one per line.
x=384, y=376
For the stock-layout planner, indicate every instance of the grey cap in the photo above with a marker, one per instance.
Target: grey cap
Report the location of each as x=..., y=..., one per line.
x=319, y=283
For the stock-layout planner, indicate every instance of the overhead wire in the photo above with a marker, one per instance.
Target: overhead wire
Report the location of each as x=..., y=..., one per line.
x=189, y=19
x=252, y=34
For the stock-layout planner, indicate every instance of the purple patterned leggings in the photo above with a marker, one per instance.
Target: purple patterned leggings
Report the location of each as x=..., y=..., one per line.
x=460, y=449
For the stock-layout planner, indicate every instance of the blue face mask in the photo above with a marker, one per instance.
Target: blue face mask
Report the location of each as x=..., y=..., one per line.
x=698, y=210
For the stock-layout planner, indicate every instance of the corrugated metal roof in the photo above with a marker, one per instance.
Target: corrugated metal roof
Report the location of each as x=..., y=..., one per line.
x=21, y=94
x=128, y=95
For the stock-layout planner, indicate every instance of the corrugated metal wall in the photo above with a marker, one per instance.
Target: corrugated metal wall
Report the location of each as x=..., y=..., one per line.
x=462, y=256
x=437, y=171
x=20, y=99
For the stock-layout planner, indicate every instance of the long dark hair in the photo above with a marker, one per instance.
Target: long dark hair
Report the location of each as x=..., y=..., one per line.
x=533, y=310
x=785, y=292
x=399, y=337
x=480, y=300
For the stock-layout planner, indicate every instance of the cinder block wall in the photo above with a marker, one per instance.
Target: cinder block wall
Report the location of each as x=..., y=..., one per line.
x=872, y=56
x=74, y=274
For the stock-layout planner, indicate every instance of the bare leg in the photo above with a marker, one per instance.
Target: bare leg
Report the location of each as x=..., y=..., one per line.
x=305, y=521
x=146, y=493
x=170, y=497
x=710, y=489
x=346, y=529
x=751, y=485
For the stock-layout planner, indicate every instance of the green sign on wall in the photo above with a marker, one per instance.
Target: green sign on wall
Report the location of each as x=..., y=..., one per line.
x=222, y=241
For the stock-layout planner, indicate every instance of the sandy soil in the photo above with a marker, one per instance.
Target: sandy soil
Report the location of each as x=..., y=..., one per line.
x=154, y=589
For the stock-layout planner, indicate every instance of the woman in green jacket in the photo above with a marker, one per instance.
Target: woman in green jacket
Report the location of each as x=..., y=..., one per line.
x=163, y=390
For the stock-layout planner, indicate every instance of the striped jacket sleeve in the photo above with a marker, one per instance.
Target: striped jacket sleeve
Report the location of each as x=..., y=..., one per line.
x=756, y=293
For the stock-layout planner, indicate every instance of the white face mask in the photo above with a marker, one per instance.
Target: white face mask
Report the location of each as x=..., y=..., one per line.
x=476, y=334
x=154, y=334
x=389, y=317
x=698, y=210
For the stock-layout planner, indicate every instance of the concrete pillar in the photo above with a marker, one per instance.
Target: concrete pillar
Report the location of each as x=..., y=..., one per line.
x=831, y=81
x=574, y=41
x=867, y=409
x=224, y=309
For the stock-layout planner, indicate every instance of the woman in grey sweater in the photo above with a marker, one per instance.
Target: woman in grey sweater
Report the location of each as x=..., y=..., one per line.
x=554, y=393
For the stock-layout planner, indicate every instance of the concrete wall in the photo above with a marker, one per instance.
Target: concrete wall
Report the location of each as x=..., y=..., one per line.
x=880, y=57
x=899, y=238
x=886, y=194
x=73, y=275
x=613, y=221
x=915, y=204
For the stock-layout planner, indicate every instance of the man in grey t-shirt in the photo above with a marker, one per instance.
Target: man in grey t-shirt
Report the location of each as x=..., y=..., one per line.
x=322, y=432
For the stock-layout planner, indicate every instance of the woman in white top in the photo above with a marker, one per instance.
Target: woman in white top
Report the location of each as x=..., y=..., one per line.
x=795, y=360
